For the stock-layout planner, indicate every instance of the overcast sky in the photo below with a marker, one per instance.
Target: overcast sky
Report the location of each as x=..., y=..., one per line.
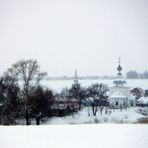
x=64, y=35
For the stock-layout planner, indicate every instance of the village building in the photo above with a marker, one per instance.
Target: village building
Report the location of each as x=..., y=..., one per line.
x=143, y=101
x=63, y=106
x=137, y=92
x=119, y=93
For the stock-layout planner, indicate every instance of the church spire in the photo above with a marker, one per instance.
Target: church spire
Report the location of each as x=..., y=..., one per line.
x=119, y=82
x=75, y=82
x=76, y=78
x=119, y=68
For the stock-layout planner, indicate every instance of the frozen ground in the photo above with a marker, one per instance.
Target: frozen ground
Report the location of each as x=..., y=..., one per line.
x=85, y=116
x=129, y=115
x=75, y=136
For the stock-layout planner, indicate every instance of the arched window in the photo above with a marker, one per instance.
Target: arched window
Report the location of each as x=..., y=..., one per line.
x=124, y=103
x=132, y=103
x=116, y=103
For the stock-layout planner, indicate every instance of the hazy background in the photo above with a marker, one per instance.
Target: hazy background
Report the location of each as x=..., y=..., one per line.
x=64, y=35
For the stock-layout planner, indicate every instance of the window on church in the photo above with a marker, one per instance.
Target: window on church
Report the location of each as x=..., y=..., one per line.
x=124, y=103
x=116, y=103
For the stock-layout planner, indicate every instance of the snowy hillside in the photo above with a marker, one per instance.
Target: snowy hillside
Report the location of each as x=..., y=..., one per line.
x=75, y=136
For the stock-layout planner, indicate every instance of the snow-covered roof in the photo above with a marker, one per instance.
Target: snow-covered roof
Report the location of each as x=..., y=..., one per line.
x=90, y=99
x=118, y=94
x=143, y=100
x=137, y=89
x=119, y=82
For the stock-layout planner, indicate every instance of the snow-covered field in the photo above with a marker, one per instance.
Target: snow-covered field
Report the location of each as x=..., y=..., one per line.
x=75, y=136
x=129, y=115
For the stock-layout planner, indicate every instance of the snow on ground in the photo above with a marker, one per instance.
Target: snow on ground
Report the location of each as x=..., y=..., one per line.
x=85, y=116
x=129, y=115
x=75, y=136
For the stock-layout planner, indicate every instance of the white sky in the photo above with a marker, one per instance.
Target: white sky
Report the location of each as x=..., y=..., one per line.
x=64, y=35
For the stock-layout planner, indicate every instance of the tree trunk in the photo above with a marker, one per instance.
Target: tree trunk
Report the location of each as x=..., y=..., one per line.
x=37, y=120
x=94, y=109
x=101, y=110
x=80, y=104
x=27, y=121
x=27, y=118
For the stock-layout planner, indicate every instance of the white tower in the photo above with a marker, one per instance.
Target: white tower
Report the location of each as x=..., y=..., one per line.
x=76, y=78
x=75, y=82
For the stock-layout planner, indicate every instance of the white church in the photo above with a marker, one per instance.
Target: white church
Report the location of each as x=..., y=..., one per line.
x=119, y=93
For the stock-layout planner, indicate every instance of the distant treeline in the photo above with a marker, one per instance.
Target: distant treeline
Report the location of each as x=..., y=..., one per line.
x=133, y=74
x=81, y=78
x=72, y=78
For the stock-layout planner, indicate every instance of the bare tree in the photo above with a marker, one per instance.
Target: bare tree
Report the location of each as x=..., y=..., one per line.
x=64, y=93
x=82, y=96
x=98, y=93
x=27, y=74
x=78, y=93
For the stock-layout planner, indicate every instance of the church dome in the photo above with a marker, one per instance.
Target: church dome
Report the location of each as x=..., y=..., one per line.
x=119, y=68
x=119, y=82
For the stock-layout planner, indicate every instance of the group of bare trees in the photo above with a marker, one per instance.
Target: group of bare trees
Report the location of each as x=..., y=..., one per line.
x=94, y=96
x=133, y=74
x=21, y=93
x=98, y=93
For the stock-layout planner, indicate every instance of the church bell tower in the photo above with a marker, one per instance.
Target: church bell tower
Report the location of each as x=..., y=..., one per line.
x=75, y=82
x=120, y=81
x=119, y=69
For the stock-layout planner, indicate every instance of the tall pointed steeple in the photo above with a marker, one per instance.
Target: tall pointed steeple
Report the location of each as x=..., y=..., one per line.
x=76, y=78
x=76, y=83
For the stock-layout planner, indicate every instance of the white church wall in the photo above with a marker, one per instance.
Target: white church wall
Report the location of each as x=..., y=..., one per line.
x=124, y=90
x=122, y=102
